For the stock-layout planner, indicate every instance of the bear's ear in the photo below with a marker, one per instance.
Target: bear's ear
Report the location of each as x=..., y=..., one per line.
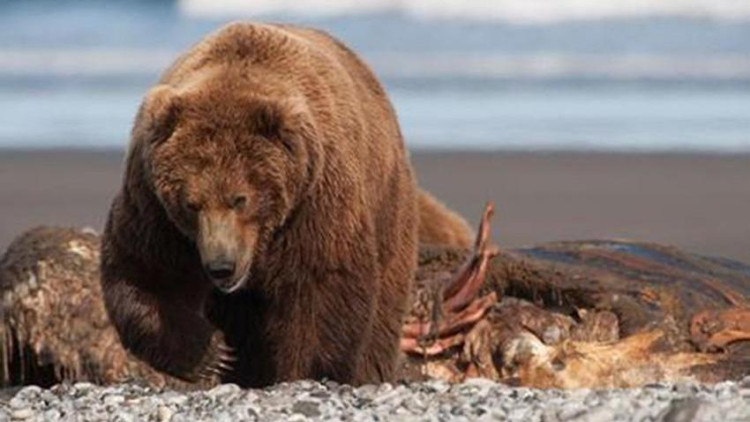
x=284, y=121
x=157, y=117
x=267, y=120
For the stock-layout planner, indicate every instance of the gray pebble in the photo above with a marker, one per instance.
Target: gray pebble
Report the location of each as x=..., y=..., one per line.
x=307, y=408
x=30, y=391
x=476, y=399
x=164, y=414
x=598, y=414
x=681, y=410
x=18, y=402
x=83, y=386
x=113, y=399
x=224, y=390
x=21, y=414
x=569, y=412
x=367, y=390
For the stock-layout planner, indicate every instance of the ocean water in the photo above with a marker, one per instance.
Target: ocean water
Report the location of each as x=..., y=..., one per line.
x=646, y=75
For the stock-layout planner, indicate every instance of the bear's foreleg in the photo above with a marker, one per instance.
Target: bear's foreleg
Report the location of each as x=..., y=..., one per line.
x=319, y=328
x=163, y=327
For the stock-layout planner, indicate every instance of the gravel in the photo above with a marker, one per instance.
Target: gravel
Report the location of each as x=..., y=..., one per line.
x=475, y=399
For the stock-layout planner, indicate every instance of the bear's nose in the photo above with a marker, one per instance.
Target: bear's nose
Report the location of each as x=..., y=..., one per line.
x=220, y=269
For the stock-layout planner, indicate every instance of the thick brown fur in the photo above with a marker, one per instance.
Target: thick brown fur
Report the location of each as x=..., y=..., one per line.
x=440, y=226
x=277, y=146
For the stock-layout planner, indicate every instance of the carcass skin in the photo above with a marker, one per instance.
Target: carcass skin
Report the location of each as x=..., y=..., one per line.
x=54, y=325
x=596, y=314
x=590, y=314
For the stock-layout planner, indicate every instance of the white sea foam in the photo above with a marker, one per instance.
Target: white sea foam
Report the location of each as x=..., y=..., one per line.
x=518, y=11
x=561, y=65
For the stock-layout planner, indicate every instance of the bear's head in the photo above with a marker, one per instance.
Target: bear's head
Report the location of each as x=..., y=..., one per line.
x=228, y=169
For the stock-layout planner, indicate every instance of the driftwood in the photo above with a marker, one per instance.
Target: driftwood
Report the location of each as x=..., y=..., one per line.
x=567, y=314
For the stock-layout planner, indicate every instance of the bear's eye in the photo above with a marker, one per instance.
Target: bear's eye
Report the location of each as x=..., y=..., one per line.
x=238, y=202
x=192, y=206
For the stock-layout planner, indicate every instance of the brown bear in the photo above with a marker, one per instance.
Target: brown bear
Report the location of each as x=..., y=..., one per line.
x=266, y=228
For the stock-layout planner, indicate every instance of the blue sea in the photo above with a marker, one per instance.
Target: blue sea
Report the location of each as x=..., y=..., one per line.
x=659, y=75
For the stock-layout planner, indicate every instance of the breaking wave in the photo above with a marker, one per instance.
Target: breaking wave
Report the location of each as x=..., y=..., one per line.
x=516, y=11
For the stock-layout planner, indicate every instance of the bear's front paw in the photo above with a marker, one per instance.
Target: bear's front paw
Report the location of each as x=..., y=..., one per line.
x=217, y=361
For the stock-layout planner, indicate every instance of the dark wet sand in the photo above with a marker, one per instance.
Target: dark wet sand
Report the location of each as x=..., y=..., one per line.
x=700, y=203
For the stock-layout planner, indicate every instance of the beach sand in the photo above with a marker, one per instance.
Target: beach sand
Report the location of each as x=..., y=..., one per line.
x=700, y=203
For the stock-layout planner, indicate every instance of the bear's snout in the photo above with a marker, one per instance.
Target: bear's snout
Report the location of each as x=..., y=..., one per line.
x=220, y=270
x=223, y=254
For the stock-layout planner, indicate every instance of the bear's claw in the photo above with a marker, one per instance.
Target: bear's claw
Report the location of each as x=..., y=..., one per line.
x=460, y=309
x=218, y=361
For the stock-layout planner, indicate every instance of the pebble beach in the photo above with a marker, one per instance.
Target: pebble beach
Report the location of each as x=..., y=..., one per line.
x=475, y=399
